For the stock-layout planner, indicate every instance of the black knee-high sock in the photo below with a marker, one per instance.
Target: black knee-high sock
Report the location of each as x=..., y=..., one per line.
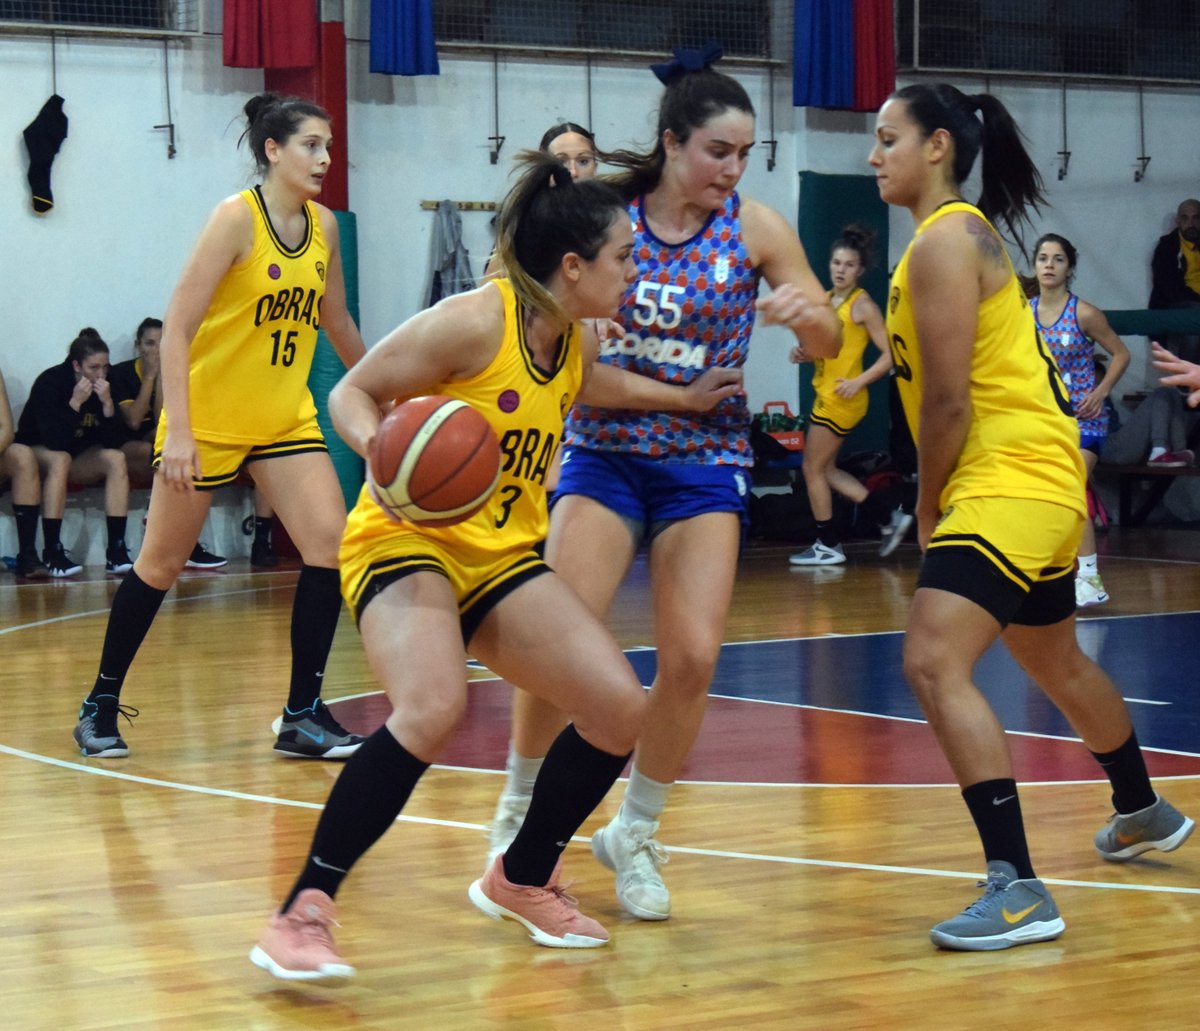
x=262, y=529
x=315, y=612
x=116, y=529
x=365, y=801
x=133, y=610
x=573, y=780
x=1126, y=770
x=26, y=517
x=996, y=811
x=51, y=533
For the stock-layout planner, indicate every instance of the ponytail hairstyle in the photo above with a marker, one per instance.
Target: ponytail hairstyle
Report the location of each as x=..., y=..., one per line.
x=545, y=216
x=1012, y=185
x=694, y=95
x=858, y=238
x=86, y=344
x=1068, y=249
x=270, y=116
x=145, y=324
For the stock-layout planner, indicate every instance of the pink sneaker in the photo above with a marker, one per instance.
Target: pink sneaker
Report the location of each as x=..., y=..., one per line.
x=1173, y=460
x=549, y=913
x=297, y=945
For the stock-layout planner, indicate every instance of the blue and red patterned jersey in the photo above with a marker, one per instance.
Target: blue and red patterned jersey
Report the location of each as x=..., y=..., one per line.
x=691, y=307
x=1073, y=354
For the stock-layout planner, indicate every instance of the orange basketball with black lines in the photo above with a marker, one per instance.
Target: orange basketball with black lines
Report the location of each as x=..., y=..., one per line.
x=434, y=461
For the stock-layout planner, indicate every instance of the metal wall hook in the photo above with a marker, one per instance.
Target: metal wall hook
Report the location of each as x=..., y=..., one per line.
x=1065, y=154
x=1139, y=173
x=496, y=139
x=169, y=125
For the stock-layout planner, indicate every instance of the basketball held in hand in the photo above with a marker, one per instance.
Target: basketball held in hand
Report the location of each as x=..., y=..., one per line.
x=434, y=461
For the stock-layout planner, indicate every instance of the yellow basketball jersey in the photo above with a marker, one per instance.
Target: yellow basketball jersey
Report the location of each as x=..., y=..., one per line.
x=1023, y=440
x=849, y=360
x=250, y=359
x=525, y=405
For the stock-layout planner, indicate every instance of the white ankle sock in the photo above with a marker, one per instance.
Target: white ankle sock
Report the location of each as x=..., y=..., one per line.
x=521, y=772
x=645, y=799
x=1087, y=565
x=1156, y=451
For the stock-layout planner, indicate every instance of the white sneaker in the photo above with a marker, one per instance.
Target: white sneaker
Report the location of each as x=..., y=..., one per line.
x=895, y=532
x=1089, y=590
x=819, y=555
x=632, y=852
x=510, y=814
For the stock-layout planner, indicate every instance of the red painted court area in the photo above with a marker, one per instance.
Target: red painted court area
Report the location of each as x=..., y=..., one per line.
x=757, y=742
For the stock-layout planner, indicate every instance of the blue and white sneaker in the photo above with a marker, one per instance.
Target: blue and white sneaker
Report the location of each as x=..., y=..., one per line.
x=1010, y=912
x=314, y=734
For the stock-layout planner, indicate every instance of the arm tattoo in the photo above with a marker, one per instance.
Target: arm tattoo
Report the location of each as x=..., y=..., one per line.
x=987, y=241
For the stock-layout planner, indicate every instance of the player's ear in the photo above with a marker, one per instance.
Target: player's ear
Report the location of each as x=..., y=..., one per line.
x=572, y=266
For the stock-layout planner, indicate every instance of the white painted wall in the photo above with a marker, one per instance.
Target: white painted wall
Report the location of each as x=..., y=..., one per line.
x=125, y=216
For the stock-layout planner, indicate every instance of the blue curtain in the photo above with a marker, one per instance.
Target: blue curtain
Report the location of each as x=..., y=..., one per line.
x=402, y=40
x=823, y=73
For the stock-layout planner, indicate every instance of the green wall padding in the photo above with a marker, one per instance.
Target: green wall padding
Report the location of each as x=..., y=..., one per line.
x=829, y=203
x=327, y=368
x=1152, y=322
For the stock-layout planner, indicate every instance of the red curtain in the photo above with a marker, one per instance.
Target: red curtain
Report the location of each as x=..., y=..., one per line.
x=270, y=33
x=875, y=54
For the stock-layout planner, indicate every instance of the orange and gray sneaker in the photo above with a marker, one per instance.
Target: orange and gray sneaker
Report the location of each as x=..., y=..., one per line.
x=1159, y=826
x=550, y=915
x=298, y=945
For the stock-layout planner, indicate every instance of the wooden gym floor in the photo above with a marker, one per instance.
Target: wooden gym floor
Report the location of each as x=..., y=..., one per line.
x=816, y=839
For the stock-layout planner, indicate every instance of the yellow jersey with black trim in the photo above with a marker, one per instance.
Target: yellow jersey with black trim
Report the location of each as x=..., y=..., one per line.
x=1023, y=440
x=250, y=359
x=525, y=406
x=849, y=360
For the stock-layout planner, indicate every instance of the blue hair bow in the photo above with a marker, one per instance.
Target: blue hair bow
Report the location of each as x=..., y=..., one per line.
x=686, y=60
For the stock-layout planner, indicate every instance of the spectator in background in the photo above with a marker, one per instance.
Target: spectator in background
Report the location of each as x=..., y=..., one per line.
x=137, y=390
x=18, y=464
x=1175, y=274
x=70, y=422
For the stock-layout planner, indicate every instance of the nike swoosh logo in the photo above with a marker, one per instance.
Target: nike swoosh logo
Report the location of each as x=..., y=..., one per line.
x=103, y=677
x=1127, y=839
x=318, y=739
x=1016, y=918
x=1001, y=801
x=318, y=861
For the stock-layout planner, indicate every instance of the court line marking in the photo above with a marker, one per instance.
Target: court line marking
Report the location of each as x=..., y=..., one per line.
x=242, y=796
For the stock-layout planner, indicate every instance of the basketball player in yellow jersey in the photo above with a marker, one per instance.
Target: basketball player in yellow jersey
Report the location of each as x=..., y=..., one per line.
x=1000, y=506
x=840, y=384
x=237, y=345
x=513, y=348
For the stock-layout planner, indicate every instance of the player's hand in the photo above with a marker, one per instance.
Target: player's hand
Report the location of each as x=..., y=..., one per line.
x=608, y=329
x=1091, y=406
x=1178, y=373
x=713, y=386
x=797, y=355
x=83, y=390
x=847, y=388
x=103, y=390
x=788, y=305
x=180, y=463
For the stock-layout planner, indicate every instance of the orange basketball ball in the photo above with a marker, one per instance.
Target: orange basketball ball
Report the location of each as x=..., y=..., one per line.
x=434, y=461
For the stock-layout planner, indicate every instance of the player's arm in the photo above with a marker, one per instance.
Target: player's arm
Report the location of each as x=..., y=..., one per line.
x=607, y=386
x=944, y=276
x=865, y=312
x=226, y=240
x=455, y=339
x=8, y=429
x=797, y=299
x=1095, y=326
x=336, y=319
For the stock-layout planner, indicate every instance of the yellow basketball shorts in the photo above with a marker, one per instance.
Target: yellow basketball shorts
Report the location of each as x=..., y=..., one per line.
x=837, y=413
x=480, y=582
x=1013, y=557
x=222, y=461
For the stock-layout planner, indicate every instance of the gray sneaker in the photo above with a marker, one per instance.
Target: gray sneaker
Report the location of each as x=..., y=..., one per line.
x=96, y=733
x=510, y=814
x=314, y=734
x=1159, y=826
x=1010, y=912
x=819, y=555
x=632, y=852
x=895, y=532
